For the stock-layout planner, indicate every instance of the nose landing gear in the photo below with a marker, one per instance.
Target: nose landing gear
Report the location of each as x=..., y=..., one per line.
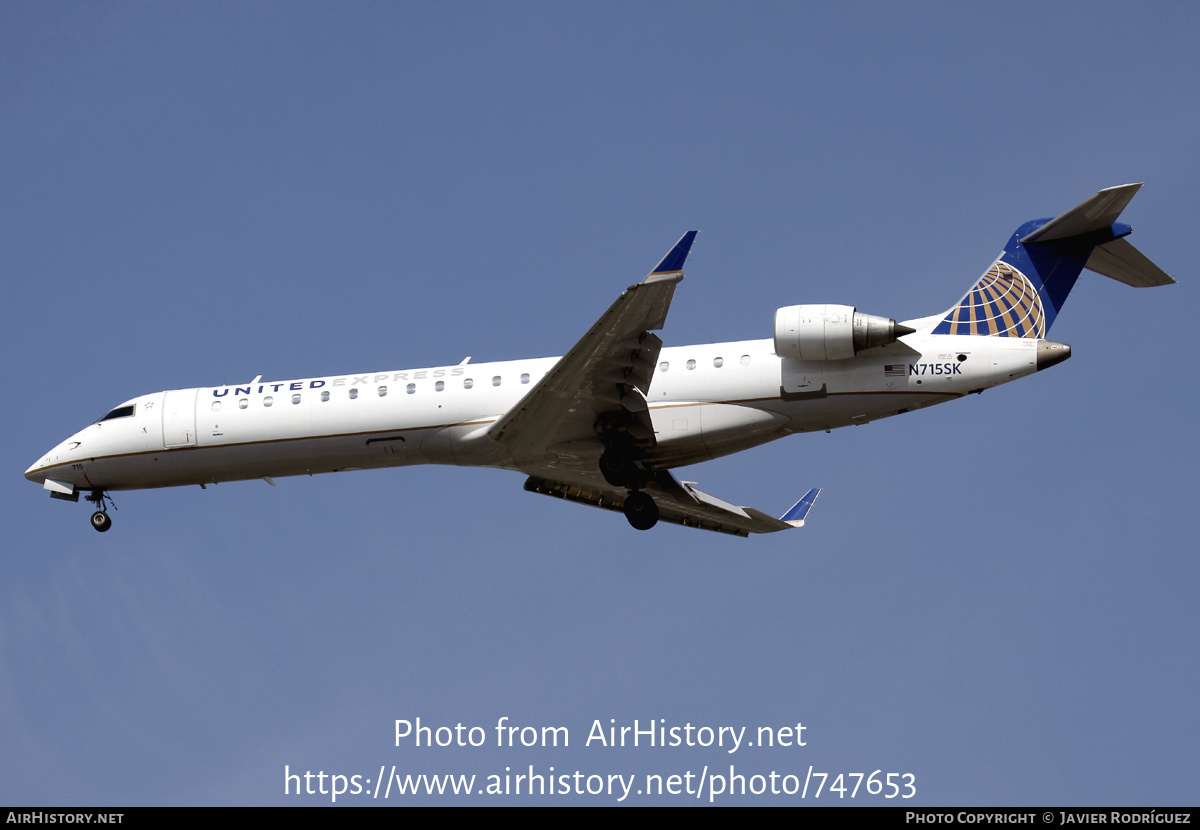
x=100, y=519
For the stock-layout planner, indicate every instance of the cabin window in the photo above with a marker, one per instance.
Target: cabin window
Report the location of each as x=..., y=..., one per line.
x=525, y=378
x=382, y=391
x=468, y=383
x=243, y=403
x=325, y=396
x=496, y=380
x=119, y=412
x=353, y=394
x=691, y=364
x=439, y=386
x=718, y=362
x=268, y=400
x=412, y=387
x=745, y=360
x=296, y=398
x=216, y=406
x=664, y=366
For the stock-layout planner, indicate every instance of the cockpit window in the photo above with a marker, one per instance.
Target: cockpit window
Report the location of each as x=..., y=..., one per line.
x=119, y=412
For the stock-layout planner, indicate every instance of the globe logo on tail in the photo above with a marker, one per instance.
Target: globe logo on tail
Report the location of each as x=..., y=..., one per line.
x=1003, y=303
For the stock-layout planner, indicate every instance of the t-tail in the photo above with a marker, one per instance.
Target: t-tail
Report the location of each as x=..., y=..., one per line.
x=1023, y=291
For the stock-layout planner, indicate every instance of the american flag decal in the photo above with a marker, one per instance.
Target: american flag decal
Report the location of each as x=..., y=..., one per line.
x=893, y=370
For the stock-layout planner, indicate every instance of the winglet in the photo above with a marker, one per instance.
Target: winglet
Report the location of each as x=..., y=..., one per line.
x=671, y=266
x=795, y=516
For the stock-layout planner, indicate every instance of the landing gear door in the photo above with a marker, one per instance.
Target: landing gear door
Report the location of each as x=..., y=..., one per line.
x=179, y=418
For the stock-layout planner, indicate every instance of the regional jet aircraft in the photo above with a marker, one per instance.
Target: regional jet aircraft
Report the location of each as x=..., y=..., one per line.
x=605, y=424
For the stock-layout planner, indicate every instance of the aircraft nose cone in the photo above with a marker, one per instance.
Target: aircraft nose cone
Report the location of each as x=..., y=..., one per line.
x=1050, y=353
x=34, y=472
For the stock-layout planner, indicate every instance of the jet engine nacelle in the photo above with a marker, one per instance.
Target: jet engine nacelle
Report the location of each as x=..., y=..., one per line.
x=831, y=332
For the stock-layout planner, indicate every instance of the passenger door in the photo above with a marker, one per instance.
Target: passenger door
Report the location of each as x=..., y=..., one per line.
x=179, y=418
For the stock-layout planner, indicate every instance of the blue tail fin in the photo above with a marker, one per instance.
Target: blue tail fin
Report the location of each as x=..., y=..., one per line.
x=1023, y=291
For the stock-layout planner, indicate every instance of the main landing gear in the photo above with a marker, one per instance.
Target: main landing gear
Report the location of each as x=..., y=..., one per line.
x=619, y=470
x=100, y=519
x=640, y=510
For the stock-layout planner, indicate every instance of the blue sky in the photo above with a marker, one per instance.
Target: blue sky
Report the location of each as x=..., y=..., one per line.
x=996, y=595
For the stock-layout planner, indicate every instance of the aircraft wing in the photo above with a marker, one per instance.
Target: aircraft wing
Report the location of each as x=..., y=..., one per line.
x=608, y=371
x=678, y=502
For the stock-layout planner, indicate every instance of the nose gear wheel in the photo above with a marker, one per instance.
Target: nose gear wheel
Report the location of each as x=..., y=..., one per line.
x=100, y=519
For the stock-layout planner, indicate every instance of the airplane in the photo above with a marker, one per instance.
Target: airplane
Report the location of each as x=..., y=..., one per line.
x=606, y=423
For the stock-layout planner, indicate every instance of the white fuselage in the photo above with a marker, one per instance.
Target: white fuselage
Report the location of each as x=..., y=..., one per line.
x=705, y=401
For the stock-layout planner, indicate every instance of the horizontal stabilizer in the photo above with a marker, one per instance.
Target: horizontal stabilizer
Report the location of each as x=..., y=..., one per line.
x=1094, y=214
x=1124, y=263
